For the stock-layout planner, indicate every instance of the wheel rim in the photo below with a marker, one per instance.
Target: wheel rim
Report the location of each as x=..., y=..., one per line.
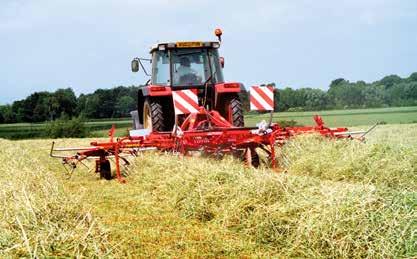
x=147, y=119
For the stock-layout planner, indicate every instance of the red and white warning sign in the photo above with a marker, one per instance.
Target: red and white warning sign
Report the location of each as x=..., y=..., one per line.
x=261, y=98
x=185, y=101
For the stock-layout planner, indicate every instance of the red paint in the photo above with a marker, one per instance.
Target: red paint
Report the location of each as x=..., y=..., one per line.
x=227, y=88
x=157, y=90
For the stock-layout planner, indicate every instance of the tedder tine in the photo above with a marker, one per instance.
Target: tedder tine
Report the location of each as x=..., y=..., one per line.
x=86, y=166
x=369, y=130
x=70, y=171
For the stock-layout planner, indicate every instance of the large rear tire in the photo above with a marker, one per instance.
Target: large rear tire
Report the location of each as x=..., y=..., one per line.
x=153, y=115
x=233, y=111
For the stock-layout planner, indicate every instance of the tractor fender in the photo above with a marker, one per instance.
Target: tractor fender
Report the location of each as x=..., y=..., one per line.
x=156, y=90
x=226, y=89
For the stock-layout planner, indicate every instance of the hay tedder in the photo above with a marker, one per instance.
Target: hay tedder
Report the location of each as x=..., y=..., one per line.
x=186, y=108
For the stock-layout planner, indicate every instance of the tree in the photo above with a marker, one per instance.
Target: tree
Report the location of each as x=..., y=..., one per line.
x=285, y=99
x=413, y=77
x=346, y=94
x=92, y=106
x=125, y=105
x=337, y=82
x=390, y=80
x=8, y=115
x=1, y=116
x=315, y=99
x=374, y=95
x=63, y=101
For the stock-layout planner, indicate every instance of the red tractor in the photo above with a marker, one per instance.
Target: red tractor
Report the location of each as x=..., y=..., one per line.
x=187, y=76
x=186, y=65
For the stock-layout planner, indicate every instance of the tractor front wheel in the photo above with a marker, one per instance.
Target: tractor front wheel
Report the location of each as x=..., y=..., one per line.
x=233, y=111
x=153, y=115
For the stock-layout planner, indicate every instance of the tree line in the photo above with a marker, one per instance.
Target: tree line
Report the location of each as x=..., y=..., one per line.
x=119, y=101
x=48, y=106
x=390, y=91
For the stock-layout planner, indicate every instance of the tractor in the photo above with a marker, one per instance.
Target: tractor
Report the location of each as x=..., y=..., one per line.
x=177, y=66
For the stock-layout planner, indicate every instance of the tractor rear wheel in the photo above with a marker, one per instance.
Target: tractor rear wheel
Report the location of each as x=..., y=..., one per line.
x=233, y=111
x=153, y=115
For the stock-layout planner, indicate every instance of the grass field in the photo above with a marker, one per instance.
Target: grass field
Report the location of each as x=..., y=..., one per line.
x=37, y=130
x=348, y=118
x=330, y=199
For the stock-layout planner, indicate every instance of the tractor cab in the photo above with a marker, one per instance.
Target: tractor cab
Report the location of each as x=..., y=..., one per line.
x=178, y=66
x=184, y=65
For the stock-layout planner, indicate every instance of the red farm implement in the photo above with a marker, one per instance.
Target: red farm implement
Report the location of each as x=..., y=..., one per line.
x=204, y=132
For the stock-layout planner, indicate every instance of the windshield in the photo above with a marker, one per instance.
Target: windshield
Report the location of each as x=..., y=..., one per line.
x=190, y=67
x=160, y=68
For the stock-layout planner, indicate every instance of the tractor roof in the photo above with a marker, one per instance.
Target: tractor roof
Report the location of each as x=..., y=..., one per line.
x=185, y=45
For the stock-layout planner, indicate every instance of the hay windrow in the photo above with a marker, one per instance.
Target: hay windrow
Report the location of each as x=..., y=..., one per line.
x=337, y=198
x=38, y=217
x=352, y=161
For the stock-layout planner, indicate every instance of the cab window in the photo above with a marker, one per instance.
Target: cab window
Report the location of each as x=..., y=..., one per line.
x=160, y=68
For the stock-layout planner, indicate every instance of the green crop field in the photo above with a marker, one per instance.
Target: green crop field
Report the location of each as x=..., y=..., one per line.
x=329, y=199
x=348, y=118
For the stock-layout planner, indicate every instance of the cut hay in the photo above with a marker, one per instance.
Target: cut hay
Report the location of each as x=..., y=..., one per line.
x=330, y=199
x=336, y=198
x=38, y=218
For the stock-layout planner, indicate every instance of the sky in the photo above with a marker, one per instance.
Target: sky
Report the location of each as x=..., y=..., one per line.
x=88, y=44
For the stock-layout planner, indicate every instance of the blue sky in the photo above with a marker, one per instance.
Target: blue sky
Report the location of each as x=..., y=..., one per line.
x=50, y=44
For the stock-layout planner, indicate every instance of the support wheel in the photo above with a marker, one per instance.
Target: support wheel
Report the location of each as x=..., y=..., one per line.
x=153, y=115
x=251, y=157
x=105, y=170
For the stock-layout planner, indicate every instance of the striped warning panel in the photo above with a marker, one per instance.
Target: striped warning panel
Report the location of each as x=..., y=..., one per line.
x=185, y=101
x=261, y=98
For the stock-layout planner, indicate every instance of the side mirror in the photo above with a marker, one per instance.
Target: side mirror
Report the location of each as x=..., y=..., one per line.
x=222, y=61
x=135, y=65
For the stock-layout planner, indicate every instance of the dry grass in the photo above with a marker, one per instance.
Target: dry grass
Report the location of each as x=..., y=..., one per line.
x=290, y=215
x=336, y=199
x=373, y=163
x=38, y=217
